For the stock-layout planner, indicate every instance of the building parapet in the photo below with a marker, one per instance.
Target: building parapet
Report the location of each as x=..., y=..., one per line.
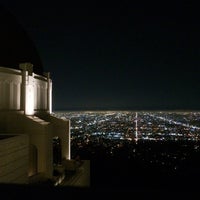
x=10, y=70
x=24, y=90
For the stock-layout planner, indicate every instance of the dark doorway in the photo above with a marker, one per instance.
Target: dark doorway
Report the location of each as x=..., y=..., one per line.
x=57, y=151
x=33, y=160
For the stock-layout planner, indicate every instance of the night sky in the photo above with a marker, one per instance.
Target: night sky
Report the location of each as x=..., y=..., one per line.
x=120, y=56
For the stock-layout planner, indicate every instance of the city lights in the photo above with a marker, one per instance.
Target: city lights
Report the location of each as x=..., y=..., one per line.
x=136, y=125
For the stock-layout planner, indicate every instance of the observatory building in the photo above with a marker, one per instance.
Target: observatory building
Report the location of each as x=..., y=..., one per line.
x=28, y=131
x=27, y=128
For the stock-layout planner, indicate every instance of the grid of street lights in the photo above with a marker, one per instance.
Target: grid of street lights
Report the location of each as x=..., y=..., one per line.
x=130, y=125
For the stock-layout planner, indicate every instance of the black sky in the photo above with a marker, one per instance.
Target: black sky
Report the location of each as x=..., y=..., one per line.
x=123, y=56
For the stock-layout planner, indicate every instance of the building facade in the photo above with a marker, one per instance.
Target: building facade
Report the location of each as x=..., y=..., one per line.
x=25, y=109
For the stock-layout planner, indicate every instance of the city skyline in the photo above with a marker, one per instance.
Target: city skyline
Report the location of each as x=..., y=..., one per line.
x=134, y=56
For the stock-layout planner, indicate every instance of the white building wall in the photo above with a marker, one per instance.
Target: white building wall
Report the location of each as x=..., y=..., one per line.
x=40, y=91
x=12, y=94
x=10, y=90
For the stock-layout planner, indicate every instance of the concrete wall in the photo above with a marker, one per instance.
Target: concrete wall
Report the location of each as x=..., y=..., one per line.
x=10, y=89
x=41, y=137
x=40, y=93
x=14, y=159
x=11, y=123
x=40, y=134
x=61, y=128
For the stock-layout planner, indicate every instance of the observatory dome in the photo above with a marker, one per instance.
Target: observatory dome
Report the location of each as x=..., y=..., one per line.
x=16, y=46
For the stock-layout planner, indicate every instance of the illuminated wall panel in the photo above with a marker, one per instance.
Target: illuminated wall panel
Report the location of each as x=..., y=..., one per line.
x=10, y=91
x=40, y=95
